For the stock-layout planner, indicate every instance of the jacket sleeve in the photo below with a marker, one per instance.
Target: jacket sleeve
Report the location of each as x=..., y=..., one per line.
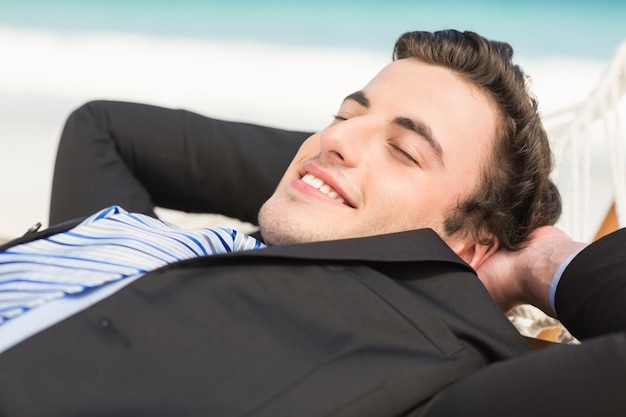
x=140, y=156
x=590, y=299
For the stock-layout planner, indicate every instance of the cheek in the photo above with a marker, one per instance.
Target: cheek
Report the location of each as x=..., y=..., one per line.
x=310, y=147
x=395, y=199
x=412, y=204
x=307, y=150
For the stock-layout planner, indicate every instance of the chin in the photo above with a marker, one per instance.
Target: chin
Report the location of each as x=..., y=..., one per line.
x=275, y=227
x=280, y=231
x=279, y=224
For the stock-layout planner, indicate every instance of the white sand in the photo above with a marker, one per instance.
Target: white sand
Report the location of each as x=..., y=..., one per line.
x=44, y=76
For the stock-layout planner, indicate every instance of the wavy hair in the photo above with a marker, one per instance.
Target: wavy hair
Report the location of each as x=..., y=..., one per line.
x=515, y=195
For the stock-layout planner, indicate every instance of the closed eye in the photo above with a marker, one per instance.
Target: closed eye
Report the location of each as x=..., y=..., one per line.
x=405, y=155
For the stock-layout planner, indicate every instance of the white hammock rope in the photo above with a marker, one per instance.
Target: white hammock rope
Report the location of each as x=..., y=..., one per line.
x=574, y=140
x=586, y=170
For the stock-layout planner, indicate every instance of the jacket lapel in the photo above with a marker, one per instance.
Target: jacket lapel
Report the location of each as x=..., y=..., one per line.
x=411, y=246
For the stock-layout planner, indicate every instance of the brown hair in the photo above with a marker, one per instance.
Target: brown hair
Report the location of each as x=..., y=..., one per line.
x=515, y=195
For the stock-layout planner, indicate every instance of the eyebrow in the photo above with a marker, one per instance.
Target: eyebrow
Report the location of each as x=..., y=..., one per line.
x=359, y=97
x=416, y=126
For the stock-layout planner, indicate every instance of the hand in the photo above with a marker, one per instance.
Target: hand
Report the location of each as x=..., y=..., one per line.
x=524, y=276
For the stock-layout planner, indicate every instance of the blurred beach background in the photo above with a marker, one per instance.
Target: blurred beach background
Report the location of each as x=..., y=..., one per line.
x=280, y=63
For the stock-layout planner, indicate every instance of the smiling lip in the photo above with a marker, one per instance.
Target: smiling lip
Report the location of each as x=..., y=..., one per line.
x=324, y=185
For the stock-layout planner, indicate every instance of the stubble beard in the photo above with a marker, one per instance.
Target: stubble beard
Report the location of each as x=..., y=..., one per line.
x=277, y=227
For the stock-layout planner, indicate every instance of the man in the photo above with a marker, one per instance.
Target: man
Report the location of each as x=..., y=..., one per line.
x=357, y=308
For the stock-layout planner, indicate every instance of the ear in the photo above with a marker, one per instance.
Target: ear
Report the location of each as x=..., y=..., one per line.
x=472, y=251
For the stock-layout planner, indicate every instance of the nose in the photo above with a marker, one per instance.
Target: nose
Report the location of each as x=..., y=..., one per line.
x=346, y=142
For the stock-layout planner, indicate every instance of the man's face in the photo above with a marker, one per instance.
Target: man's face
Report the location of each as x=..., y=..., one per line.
x=400, y=155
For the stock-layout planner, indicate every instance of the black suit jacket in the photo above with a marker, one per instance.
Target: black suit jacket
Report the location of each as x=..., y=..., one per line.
x=372, y=326
x=375, y=326
x=591, y=296
x=564, y=380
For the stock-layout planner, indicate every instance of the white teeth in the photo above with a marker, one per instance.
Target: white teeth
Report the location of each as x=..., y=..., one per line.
x=322, y=187
x=317, y=183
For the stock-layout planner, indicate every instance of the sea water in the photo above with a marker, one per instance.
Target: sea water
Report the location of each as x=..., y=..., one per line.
x=590, y=29
x=282, y=63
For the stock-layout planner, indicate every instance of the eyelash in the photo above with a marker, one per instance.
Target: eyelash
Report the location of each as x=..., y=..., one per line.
x=405, y=154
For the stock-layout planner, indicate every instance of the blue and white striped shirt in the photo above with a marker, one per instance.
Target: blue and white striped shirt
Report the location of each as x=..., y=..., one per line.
x=110, y=246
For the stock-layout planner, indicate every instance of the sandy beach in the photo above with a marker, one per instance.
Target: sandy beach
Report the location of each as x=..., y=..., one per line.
x=46, y=75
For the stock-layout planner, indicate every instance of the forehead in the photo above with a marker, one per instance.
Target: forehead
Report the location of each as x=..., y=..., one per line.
x=410, y=81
